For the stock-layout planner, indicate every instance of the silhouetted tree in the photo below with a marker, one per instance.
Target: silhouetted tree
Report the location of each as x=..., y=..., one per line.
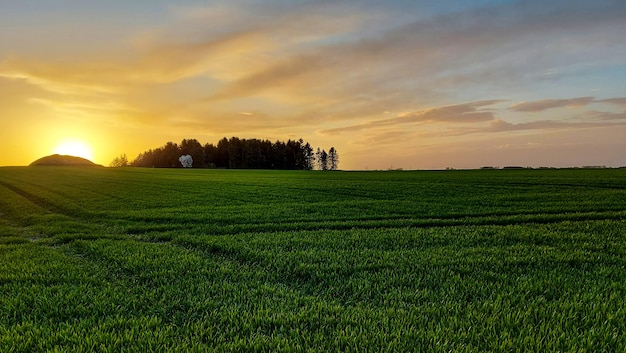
x=222, y=154
x=309, y=157
x=279, y=158
x=121, y=161
x=252, y=155
x=143, y=159
x=293, y=157
x=169, y=156
x=266, y=153
x=333, y=158
x=318, y=158
x=162, y=157
x=210, y=155
x=324, y=160
x=235, y=153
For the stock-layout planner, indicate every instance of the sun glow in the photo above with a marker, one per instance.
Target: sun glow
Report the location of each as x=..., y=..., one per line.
x=74, y=148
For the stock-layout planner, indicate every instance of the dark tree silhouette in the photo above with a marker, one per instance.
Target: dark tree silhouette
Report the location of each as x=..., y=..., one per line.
x=210, y=155
x=324, y=160
x=222, y=154
x=309, y=157
x=171, y=153
x=236, y=153
x=162, y=157
x=121, y=161
x=333, y=158
x=318, y=158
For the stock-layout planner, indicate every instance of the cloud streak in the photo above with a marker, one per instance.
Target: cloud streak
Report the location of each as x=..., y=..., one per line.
x=538, y=106
x=470, y=118
x=460, y=113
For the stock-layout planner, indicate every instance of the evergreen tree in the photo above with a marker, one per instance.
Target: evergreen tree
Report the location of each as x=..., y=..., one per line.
x=222, y=159
x=318, y=158
x=210, y=155
x=333, y=158
x=324, y=160
x=236, y=153
x=309, y=157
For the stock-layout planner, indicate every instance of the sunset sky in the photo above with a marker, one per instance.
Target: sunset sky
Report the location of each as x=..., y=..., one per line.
x=390, y=84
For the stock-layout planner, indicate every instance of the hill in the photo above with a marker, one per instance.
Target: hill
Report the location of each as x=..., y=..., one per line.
x=63, y=160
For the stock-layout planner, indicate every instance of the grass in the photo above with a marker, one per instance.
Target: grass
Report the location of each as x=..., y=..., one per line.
x=95, y=259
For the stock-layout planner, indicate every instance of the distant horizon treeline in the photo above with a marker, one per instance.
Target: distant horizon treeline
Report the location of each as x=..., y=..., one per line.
x=236, y=153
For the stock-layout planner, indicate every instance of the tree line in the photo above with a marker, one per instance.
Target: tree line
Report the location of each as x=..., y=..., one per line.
x=236, y=153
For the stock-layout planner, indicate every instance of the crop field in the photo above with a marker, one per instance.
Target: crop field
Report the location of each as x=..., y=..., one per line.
x=174, y=260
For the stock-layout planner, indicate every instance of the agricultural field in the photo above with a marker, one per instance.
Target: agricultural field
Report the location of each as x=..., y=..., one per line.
x=173, y=260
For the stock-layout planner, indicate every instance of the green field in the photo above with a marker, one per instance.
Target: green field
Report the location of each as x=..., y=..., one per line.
x=156, y=260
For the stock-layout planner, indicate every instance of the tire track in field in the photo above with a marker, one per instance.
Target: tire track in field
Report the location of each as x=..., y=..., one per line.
x=62, y=223
x=34, y=199
x=379, y=223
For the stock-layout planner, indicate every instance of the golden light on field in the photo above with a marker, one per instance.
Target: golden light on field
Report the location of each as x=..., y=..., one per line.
x=76, y=148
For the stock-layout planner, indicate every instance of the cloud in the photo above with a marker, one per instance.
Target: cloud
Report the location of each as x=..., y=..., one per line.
x=498, y=125
x=497, y=47
x=63, y=78
x=605, y=116
x=615, y=101
x=268, y=53
x=236, y=41
x=386, y=138
x=541, y=105
x=339, y=52
x=459, y=113
x=481, y=117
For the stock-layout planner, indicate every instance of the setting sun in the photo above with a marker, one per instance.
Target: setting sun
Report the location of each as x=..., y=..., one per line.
x=74, y=148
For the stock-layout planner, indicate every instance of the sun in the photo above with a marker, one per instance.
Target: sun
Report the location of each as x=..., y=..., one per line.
x=74, y=148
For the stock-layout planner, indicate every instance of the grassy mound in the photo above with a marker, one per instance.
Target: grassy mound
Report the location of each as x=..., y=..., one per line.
x=63, y=160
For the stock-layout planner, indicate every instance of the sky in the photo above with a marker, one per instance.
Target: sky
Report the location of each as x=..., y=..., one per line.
x=390, y=84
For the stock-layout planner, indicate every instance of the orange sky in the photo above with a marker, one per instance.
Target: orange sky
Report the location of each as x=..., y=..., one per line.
x=395, y=84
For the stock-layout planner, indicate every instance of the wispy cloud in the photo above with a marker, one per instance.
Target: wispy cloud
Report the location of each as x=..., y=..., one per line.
x=616, y=101
x=75, y=78
x=459, y=113
x=333, y=54
x=482, y=117
x=595, y=115
x=581, y=102
x=538, y=106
